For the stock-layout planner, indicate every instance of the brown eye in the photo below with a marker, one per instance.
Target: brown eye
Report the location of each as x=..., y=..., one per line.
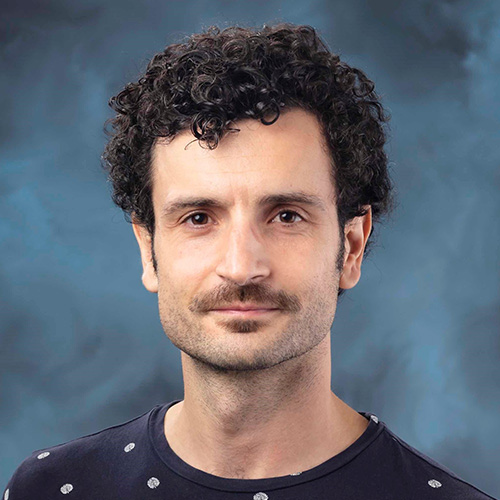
x=199, y=218
x=294, y=214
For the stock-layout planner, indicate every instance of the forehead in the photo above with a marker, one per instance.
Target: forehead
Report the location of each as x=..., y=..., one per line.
x=289, y=153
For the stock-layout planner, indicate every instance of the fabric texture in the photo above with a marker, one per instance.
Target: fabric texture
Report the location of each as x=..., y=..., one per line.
x=133, y=460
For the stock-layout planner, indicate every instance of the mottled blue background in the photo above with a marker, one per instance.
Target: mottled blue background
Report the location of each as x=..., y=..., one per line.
x=416, y=341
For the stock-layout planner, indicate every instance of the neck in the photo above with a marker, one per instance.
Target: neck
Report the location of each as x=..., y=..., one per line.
x=261, y=423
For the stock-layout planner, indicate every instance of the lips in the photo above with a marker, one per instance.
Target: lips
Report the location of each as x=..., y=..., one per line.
x=245, y=313
x=245, y=308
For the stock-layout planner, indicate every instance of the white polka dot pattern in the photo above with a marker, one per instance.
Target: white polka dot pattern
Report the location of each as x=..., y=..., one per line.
x=129, y=447
x=434, y=483
x=260, y=496
x=66, y=488
x=153, y=482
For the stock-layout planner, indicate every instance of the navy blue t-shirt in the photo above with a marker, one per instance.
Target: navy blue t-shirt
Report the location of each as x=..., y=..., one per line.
x=133, y=460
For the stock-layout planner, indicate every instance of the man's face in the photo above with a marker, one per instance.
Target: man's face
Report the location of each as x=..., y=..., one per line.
x=243, y=251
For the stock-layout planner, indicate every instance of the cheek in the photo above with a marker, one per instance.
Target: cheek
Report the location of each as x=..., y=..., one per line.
x=323, y=278
x=290, y=258
x=188, y=266
x=178, y=254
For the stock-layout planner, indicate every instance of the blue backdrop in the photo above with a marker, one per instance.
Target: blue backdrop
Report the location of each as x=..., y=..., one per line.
x=416, y=342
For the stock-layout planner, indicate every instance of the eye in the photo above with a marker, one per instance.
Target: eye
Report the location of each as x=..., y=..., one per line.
x=203, y=214
x=195, y=215
x=288, y=212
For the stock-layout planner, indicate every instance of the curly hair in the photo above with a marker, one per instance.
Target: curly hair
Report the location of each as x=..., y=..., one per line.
x=217, y=77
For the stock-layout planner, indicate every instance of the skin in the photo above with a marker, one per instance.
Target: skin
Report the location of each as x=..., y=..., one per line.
x=257, y=391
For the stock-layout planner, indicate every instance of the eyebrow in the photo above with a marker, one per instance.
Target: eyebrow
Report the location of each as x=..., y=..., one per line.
x=270, y=199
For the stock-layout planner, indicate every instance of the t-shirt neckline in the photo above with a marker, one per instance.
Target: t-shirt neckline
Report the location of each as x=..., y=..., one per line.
x=183, y=469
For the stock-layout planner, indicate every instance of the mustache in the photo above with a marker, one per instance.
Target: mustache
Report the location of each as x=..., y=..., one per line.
x=252, y=293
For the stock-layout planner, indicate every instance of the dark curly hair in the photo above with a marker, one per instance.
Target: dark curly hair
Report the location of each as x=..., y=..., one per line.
x=217, y=77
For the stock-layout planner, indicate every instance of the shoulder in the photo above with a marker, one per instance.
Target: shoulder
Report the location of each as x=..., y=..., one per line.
x=423, y=474
x=51, y=471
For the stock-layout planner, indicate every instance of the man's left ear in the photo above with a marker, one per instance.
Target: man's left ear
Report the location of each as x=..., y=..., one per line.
x=356, y=235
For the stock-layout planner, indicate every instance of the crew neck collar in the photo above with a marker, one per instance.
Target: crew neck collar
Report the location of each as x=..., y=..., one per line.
x=183, y=469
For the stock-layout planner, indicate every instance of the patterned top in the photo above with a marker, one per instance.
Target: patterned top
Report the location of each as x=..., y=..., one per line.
x=133, y=460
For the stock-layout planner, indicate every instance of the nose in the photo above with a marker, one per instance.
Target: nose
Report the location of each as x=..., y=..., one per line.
x=243, y=256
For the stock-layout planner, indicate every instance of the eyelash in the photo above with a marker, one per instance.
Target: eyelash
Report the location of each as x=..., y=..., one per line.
x=284, y=211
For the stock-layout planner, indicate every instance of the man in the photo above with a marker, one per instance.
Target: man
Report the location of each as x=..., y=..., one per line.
x=252, y=165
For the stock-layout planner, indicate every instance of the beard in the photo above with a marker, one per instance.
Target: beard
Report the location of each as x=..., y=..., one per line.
x=236, y=344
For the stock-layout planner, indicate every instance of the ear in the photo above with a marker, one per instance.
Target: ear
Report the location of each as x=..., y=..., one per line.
x=149, y=277
x=356, y=235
